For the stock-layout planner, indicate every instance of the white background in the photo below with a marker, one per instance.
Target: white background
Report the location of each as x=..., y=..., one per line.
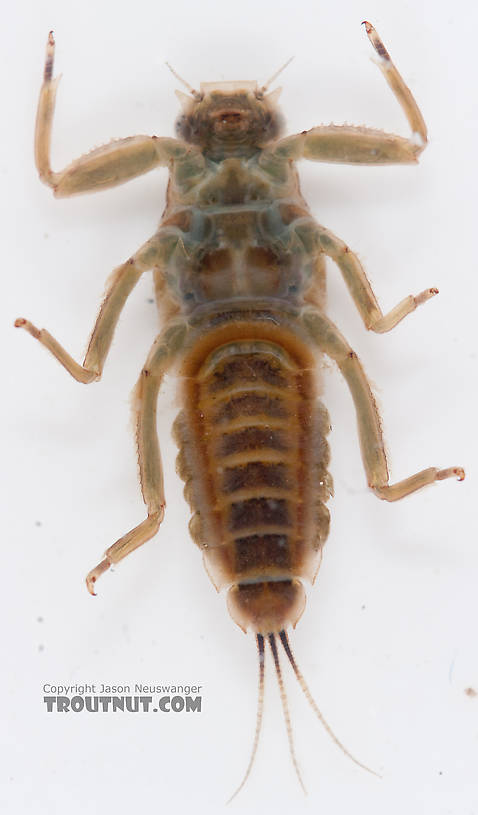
x=388, y=640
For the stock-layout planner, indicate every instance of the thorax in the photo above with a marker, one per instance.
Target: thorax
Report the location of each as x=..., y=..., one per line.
x=235, y=218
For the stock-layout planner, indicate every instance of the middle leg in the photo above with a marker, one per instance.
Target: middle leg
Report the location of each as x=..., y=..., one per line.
x=318, y=238
x=121, y=282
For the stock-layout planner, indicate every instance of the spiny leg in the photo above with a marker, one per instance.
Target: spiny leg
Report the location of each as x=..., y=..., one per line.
x=399, y=89
x=162, y=355
x=316, y=237
x=103, y=167
x=304, y=687
x=119, y=286
x=328, y=338
x=285, y=708
x=260, y=710
x=347, y=144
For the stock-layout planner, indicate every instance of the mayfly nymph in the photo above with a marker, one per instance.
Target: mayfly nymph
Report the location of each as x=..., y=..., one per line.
x=239, y=274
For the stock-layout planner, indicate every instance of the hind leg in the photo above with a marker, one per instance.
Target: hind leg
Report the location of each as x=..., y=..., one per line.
x=324, y=334
x=162, y=355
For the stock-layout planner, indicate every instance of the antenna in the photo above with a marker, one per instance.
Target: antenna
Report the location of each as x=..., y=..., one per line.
x=274, y=76
x=191, y=90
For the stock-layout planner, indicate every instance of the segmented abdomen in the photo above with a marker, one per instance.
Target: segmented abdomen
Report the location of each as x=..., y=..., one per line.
x=254, y=456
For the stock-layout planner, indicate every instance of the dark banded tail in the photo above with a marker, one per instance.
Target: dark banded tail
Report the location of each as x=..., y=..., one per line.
x=260, y=707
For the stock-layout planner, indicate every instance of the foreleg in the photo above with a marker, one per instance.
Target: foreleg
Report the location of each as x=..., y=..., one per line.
x=104, y=167
x=361, y=145
x=326, y=336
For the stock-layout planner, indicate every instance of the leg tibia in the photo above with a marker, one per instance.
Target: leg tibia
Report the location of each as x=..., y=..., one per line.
x=360, y=288
x=162, y=354
x=103, y=167
x=361, y=145
x=393, y=492
x=46, y=109
x=77, y=371
x=119, y=286
x=401, y=92
x=329, y=339
x=128, y=543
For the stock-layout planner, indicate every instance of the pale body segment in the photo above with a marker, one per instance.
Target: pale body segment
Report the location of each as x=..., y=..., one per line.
x=239, y=275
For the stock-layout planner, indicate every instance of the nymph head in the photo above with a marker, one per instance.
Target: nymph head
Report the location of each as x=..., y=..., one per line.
x=229, y=116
